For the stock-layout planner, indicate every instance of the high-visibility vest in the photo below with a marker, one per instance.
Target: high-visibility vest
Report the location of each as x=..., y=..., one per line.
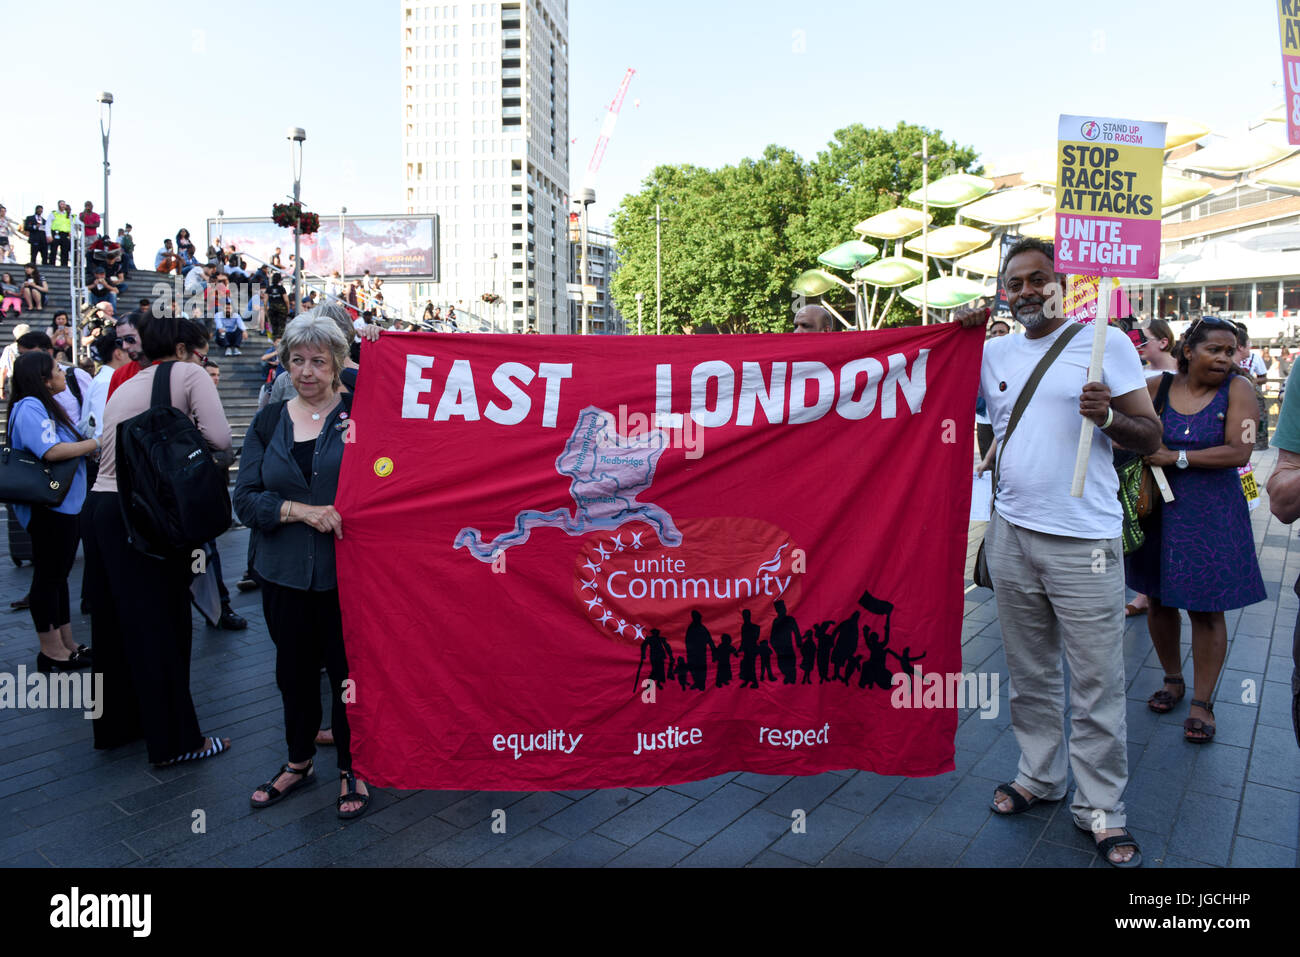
x=61, y=222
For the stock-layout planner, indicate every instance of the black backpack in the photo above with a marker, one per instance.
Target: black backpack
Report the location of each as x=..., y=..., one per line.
x=174, y=497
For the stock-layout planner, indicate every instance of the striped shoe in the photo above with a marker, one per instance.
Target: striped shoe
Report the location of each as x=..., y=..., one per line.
x=215, y=746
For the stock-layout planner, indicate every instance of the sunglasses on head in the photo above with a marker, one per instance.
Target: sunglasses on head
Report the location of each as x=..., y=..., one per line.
x=1216, y=323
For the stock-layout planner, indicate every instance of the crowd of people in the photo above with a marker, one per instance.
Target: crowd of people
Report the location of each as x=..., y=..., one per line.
x=1194, y=413
x=285, y=491
x=49, y=237
x=1193, y=407
x=68, y=411
x=259, y=293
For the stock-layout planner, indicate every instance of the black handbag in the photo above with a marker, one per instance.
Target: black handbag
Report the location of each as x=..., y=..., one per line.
x=28, y=480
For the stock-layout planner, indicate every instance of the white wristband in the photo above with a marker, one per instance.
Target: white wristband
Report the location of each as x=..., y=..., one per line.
x=1110, y=420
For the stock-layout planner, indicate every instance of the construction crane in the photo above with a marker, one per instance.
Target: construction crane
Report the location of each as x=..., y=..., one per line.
x=587, y=195
x=606, y=131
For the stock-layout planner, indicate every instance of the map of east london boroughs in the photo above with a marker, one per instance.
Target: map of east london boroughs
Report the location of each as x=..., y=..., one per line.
x=607, y=471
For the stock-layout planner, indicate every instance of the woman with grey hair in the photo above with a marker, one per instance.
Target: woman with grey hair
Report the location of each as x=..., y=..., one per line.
x=285, y=493
x=283, y=388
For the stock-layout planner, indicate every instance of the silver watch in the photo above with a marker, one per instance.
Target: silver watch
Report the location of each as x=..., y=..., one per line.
x=1182, y=459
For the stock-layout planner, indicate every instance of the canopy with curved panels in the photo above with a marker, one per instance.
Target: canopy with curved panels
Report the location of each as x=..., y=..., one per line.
x=894, y=224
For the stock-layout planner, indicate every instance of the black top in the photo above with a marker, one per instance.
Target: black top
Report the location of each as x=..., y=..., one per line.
x=303, y=453
x=272, y=469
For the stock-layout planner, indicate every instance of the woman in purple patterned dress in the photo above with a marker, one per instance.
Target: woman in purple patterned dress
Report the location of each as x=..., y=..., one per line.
x=1199, y=553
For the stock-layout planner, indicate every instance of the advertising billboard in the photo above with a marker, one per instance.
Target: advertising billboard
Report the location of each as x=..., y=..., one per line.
x=395, y=248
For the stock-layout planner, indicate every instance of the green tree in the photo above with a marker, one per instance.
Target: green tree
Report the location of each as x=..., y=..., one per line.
x=735, y=238
x=726, y=256
x=863, y=172
x=680, y=190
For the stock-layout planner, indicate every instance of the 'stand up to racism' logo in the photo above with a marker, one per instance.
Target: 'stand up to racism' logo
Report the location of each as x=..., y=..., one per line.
x=1091, y=130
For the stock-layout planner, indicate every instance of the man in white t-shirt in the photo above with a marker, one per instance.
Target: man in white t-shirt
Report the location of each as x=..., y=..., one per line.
x=196, y=280
x=7, y=358
x=111, y=357
x=1056, y=561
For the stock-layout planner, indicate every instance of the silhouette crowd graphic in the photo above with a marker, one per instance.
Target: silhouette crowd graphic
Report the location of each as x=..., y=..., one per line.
x=829, y=648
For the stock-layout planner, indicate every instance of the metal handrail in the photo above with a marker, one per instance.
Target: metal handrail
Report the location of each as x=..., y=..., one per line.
x=463, y=318
x=414, y=311
x=307, y=277
x=77, y=294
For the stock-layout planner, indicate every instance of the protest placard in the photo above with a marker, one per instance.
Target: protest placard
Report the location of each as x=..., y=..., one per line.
x=1108, y=185
x=1080, y=302
x=1002, y=307
x=1288, y=22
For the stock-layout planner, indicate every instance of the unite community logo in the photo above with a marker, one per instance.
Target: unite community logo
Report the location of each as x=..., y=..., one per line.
x=76, y=910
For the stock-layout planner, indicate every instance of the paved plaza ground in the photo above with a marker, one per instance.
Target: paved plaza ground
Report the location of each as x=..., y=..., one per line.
x=1233, y=803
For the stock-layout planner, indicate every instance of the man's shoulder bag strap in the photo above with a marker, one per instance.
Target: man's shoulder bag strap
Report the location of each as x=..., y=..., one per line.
x=1027, y=393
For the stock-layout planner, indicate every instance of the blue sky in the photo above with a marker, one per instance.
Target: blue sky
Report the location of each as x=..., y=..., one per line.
x=204, y=95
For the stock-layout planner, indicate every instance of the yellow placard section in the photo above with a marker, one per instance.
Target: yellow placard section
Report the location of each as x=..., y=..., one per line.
x=1081, y=294
x=1288, y=21
x=1250, y=487
x=1109, y=180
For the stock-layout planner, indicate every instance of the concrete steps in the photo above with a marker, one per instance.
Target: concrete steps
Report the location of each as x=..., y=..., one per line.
x=241, y=376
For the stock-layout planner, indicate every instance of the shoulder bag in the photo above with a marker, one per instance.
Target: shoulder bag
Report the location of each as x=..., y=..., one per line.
x=1137, y=486
x=26, y=479
x=981, y=574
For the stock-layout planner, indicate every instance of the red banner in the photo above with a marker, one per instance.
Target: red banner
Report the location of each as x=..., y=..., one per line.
x=595, y=562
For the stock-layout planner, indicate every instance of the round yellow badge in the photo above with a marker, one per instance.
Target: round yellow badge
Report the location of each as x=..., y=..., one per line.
x=384, y=467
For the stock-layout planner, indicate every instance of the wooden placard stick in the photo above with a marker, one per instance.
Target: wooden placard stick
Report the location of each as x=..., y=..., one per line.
x=1094, y=375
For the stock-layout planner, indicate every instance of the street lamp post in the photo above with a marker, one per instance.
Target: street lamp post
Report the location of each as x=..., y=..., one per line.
x=343, y=262
x=659, y=270
x=221, y=242
x=105, y=101
x=296, y=135
x=587, y=197
x=640, y=304
x=495, y=291
x=925, y=230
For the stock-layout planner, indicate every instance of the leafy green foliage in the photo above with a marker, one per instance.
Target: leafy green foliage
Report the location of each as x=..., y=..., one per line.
x=735, y=238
